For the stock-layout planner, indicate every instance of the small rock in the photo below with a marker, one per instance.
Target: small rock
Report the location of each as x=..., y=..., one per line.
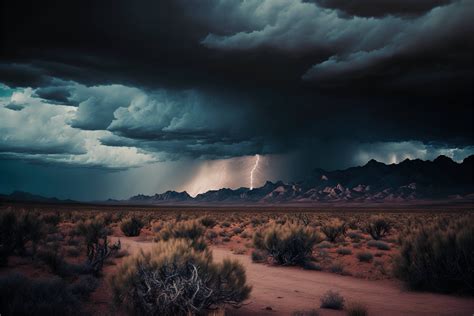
x=269, y=308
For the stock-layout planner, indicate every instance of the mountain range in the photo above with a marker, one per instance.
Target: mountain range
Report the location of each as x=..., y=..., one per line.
x=375, y=182
x=410, y=180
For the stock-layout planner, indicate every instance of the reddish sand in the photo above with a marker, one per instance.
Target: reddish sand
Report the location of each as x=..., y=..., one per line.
x=287, y=289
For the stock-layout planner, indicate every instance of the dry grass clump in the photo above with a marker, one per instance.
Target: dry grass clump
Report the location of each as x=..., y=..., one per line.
x=365, y=256
x=344, y=251
x=357, y=309
x=381, y=245
x=311, y=312
x=208, y=221
x=332, y=300
x=22, y=296
x=378, y=227
x=98, y=249
x=17, y=231
x=334, y=229
x=190, y=229
x=288, y=244
x=176, y=279
x=131, y=226
x=438, y=256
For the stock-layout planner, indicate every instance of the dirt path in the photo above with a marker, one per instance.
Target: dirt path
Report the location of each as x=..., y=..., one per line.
x=287, y=289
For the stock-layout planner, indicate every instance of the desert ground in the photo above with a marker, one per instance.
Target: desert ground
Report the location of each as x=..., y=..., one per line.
x=372, y=262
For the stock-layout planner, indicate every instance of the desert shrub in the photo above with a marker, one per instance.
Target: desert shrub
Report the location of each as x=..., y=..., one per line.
x=53, y=259
x=381, y=245
x=84, y=286
x=51, y=218
x=98, y=249
x=311, y=265
x=211, y=235
x=334, y=229
x=190, y=229
x=175, y=279
x=325, y=244
x=377, y=227
x=357, y=309
x=17, y=230
x=332, y=300
x=207, y=221
x=225, y=224
x=337, y=268
x=288, y=244
x=259, y=256
x=311, y=312
x=365, y=256
x=354, y=236
x=131, y=226
x=22, y=296
x=438, y=256
x=237, y=230
x=344, y=251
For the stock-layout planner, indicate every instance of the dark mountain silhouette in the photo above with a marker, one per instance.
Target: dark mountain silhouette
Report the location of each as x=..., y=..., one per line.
x=409, y=180
x=20, y=196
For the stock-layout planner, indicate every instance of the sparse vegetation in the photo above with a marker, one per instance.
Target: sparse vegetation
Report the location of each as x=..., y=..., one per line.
x=22, y=296
x=131, y=226
x=288, y=244
x=334, y=229
x=332, y=300
x=176, y=279
x=357, y=309
x=381, y=245
x=344, y=251
x=98, y=249
x=378, y=227
x=438, y=256
x=365, y=256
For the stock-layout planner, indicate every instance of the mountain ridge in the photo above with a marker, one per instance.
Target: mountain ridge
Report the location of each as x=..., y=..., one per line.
x=375, y=182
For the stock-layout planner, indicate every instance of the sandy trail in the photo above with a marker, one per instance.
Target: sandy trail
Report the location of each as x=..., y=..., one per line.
x=286, y=289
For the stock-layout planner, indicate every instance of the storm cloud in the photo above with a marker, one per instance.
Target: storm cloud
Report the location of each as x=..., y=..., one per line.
x=118, y=86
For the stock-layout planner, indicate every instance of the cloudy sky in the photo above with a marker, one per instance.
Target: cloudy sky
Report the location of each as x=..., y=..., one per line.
x=104, y=99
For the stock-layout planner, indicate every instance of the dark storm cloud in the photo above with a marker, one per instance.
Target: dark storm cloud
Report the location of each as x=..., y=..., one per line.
x=267, y=76
x=380, y=8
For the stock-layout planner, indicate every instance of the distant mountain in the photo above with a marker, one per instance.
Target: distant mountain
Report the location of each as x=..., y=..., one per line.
x=168, y=196
x=375, y=182
x=21, y=196
x=409, y=180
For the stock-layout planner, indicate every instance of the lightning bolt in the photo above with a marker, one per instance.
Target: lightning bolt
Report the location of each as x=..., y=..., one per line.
x=257, y=159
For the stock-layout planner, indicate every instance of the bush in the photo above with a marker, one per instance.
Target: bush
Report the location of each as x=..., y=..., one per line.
x=438, y=256
x=377, y=227
x=344, y=251
x=22, y=296
x=311, y=265
x=191, y=230
x=175, y=279
x=378, y=244
x=16, y=231
x=208, y=221
x=357, y=309
x=334, y=229
x=288, y=244
x=332, y=300
x=131, y=226
x=98, y=249
x=259, y=256
x=365, y=256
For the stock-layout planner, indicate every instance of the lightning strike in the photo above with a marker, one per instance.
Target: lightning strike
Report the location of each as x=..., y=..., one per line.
x=257, y=159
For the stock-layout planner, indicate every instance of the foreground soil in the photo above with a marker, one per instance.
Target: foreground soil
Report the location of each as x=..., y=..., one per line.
x=284, y=290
